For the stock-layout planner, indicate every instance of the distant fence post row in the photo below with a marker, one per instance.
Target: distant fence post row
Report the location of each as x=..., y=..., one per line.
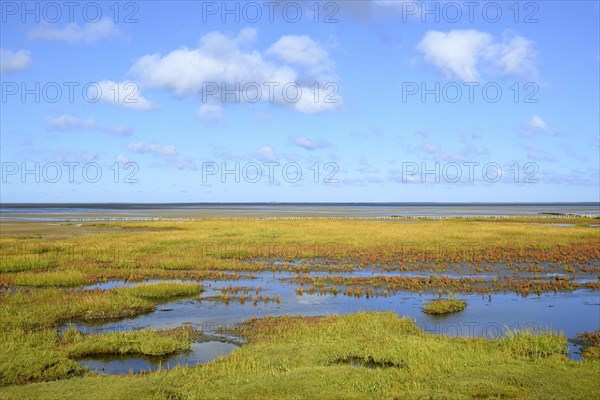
x=322, y=218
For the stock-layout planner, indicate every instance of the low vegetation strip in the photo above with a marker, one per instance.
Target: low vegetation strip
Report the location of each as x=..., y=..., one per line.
x=47, y=355
x=444, y=306
x=139, y=342
x=49, y=307
x=370, y=355
x=164, y=290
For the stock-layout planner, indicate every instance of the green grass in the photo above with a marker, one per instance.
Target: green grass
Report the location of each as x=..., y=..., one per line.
x=48, y=307
x=31, y=349
x=591, y=345
x=139, y=342
x=286, y=357
x=444, y=306
x=299, y=358
x=145, y=249
x=51, y=279
x=535, y=344
x=44, y=355
x=33, y=356
x=164, y=290
x=591, y=353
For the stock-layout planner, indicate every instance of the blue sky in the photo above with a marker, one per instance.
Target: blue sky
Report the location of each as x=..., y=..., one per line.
x=383, y=101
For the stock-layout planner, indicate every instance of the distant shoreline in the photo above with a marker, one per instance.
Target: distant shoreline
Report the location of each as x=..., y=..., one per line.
x=81, y=212
x=293, y=204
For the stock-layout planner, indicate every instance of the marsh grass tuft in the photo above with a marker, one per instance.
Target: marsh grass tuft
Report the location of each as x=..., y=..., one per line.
x=444, y=306
x=138, y=342
x=533, y=343
x=46, y=355
x=32, y=309
x=590, y=342
x=51, y=279
x=164, y=290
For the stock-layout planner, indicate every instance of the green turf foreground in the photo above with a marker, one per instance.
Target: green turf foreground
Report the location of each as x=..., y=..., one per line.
x=358, y=356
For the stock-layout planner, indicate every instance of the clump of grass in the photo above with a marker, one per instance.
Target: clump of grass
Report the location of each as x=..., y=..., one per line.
x=46, y=308
x=139, y=342
x=532, y=343
x=444, y=306
x=164, y=290
x=44, y=355
x=591, y=338
x=51, y=279
x=591, y=353
x=590, y=342
x=22, y=264
x=33, y=356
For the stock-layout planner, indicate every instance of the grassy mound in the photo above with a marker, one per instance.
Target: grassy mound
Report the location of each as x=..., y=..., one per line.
x=444, y=306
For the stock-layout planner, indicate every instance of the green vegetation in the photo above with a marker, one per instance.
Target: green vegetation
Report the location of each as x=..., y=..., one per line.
x=46, y=308
x=591, y=345
x=372, y=355
x=444, y=306
x=298, y=358
x=142, y=250
x=45, y=355
x=32, y=350
x=164, y=290
x=139, y=342
x=519, y=252
x=33, y=356
x=51, y=279
x=529, y=343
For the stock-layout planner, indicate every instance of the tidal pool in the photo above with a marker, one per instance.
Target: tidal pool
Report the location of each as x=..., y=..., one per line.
x=201, y=353
x=568, y=312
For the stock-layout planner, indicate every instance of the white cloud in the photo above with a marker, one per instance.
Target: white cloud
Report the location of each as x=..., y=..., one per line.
x=168, y=153
x=514, y=56
x=141, y=147
x=74, y=33
x=309, y=144
x=14, y=61
x=266, y=153
x=123, y=94
x=67, y=122
x=221, y=64
x=455, y=53
x=218, y=59
x=123, y=159
x=463, y=53
x=327, y=100
x=302, y=50
x=535, y=125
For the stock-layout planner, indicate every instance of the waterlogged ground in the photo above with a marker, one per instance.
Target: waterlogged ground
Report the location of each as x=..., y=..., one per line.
x=201, y=353
x=490, y=315
x=189, y=286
